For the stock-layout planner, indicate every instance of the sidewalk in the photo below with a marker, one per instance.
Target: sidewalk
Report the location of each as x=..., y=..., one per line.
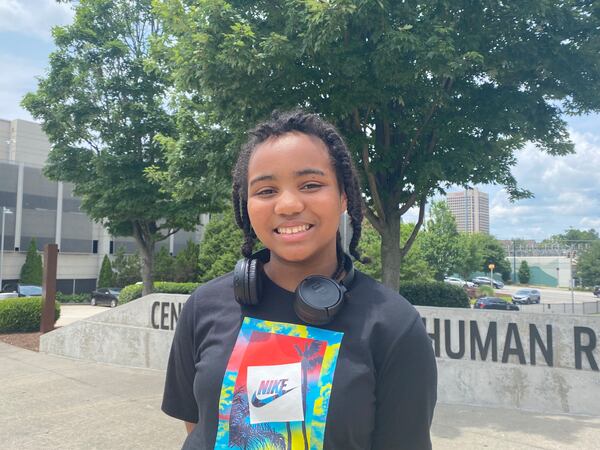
x=49, y=402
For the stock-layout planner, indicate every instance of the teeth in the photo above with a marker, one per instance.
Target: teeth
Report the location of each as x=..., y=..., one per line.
x=292, y=230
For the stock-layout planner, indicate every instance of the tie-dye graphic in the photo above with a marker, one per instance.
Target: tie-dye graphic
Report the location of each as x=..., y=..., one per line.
x=264, y=343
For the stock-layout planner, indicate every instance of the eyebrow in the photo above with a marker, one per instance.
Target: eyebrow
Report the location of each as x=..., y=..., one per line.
x=298, y=173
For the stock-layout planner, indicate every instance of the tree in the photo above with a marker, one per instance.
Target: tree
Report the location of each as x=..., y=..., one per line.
x=441, y=241
x=588, y=265
x=471, y=249
x=493, y=253
x=163, y=265
x=32, y=271
x=185, y=266
x=428, y=94
x=220, y=247
x=127, y=268
x=107, y=276
x=524, y=273
x=103, y=105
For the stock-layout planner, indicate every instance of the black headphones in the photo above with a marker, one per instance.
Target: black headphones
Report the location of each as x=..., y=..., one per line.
x=318, y=299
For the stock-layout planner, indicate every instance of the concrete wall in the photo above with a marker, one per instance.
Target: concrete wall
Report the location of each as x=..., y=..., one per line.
x=540, y=362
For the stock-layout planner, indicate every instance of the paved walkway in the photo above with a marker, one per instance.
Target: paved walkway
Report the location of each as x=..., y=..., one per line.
x=72, y=312
x=49, y=402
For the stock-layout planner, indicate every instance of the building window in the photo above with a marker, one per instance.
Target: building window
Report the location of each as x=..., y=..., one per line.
x=111, y=248
x=95, y=246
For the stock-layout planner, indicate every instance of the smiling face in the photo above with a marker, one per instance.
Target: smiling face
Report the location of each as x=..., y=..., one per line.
x=294, y=202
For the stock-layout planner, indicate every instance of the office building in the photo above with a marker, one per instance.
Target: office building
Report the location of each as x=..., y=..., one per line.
x=471, y=209
x=49, y=212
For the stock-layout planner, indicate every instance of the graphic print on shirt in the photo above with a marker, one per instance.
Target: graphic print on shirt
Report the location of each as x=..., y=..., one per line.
x=276, y=389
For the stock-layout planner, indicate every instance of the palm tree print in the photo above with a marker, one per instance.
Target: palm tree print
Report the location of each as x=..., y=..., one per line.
x=311, y=358
x=244, y=435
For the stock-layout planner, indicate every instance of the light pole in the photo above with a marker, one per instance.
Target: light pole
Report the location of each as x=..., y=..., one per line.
x=5, y=211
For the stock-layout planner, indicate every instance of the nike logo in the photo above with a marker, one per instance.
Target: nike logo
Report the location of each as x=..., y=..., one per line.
x=260, y=402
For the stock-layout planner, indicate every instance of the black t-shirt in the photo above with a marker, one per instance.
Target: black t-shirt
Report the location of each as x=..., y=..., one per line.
x=368, y=379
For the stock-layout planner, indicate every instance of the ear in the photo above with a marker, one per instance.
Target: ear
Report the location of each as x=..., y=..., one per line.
x=344, y=199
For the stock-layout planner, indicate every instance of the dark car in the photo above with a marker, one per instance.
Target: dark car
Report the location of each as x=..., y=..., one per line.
x=105, y=296
x=488, y=281
x=494, y=303
x=597, y=291
x=526, y=296
x=23, y=290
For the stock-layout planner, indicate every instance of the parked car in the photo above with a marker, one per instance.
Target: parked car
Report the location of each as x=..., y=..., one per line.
x=105, y=296
x=458, y=282
x=487, y=281
x=597, y=291
x=23, y=290
x=494, y=303
x=4, y=295
x=526, y=296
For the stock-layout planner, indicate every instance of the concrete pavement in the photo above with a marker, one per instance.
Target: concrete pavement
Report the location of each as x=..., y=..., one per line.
x=72, y=312
x=50, y=402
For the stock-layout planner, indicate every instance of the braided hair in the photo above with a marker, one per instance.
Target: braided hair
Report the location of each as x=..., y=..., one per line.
x=279, y=124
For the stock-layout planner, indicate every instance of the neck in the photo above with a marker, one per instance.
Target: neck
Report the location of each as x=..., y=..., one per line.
x=288, y=275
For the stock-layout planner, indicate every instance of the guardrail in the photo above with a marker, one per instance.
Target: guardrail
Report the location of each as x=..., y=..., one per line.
x=564, y=308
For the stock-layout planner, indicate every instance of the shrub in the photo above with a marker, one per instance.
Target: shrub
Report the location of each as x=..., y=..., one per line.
x=436, y=293
x=23, y=314
x=32, y=271
x=485, y=291
x=524, y=273
x=133, y=291
x=72, y=298
x=107, y=276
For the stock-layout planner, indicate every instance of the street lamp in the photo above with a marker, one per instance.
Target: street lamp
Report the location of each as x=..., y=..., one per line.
x=5, y=211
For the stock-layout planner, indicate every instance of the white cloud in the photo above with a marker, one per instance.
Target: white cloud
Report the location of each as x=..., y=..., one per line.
x=34, y=17
x=566, y=189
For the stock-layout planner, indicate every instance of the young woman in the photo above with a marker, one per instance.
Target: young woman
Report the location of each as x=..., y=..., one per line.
x=295, y=349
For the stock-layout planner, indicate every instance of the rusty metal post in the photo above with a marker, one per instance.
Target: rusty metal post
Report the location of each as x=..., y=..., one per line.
x=49, y=287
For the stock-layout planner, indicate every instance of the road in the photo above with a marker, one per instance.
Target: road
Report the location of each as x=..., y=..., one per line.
x=555, y=295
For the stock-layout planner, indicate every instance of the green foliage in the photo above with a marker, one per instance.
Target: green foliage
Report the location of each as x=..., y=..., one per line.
x=572, y=235
x=107, y=276
x=185, y=267
x=163, y=265
x=72, y=298
x=134, y=291
x=370, y=247
x=23, y=314
x=103, y=104
x=485, y=291
x=32, y=271
x=220, y=247
x=441, y=246
x=524, y=273
x=126, y=267
x=130, y=292
x=435, y=293
x=588, y=265
x=471, y=253
x=423, y=88
x=414, y=265
x=493, y=253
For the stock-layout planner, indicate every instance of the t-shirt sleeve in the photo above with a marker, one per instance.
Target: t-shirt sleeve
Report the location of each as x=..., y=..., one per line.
x=406, y=393
x=178, y=398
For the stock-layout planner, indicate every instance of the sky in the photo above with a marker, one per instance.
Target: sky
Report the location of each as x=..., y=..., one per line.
x=566, y=189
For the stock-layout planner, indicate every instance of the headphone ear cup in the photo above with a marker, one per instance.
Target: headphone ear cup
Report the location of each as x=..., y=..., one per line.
x=240, y=277
x=254, y=281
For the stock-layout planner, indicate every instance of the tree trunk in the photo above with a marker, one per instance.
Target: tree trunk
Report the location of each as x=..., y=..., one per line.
x=146, y=244
x=391, y=257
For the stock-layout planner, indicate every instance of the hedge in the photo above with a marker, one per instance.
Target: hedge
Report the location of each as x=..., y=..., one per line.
x=72, y=298
x=133, y=291
x=23, y=314
x=436, y=293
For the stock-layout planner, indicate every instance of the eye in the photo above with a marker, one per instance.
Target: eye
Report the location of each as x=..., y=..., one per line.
x=264, y=192
x=311, y=186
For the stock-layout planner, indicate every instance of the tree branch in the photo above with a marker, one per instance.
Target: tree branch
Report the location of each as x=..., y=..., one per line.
x=375, y=221
x=367, y=167
x=408, y=203
x=404, y=250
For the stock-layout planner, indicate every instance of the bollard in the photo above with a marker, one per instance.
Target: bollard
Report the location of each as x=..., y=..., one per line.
x=49, y=287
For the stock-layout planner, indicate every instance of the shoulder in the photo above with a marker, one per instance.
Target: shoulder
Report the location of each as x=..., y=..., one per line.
x=385, y=305
x=213, y=289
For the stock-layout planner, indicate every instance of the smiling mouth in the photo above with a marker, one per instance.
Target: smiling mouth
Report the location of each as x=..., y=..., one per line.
x=293, y=230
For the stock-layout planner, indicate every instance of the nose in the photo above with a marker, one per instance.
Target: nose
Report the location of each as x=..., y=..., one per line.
x=288, y=203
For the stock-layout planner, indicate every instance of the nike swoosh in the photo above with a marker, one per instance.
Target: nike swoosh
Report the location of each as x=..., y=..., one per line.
x=259, y=403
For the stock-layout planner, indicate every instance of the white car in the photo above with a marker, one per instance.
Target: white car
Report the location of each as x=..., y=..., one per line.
x=458, y=282
x=4, y=295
